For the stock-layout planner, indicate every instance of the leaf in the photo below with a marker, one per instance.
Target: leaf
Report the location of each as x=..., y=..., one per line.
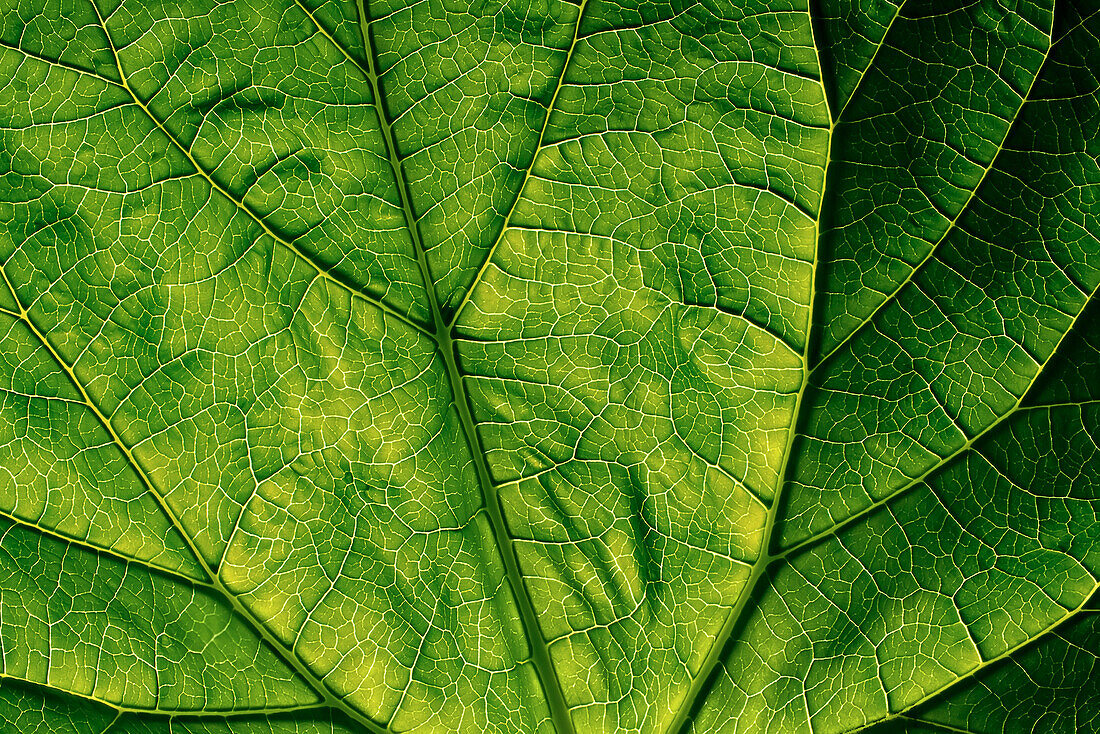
x=535, y=366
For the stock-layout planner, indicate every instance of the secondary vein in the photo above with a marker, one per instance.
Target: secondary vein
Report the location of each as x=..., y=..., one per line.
x=952, y=224
x=943, y=461
x=526, y=174
x=702, y=679
x=322, y=271
x=213, y=580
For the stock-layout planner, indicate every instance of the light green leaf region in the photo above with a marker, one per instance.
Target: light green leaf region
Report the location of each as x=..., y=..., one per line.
x=549, y=366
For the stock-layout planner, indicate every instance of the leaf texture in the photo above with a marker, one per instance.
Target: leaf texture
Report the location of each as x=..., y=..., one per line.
x=549, y=366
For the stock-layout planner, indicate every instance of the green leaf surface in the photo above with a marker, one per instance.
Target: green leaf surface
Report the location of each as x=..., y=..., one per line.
x=549, y=366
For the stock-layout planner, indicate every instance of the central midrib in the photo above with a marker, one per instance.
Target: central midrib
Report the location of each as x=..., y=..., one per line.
x=540, y=653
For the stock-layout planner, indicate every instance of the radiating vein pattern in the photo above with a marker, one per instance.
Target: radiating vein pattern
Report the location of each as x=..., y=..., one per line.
x=956, y=348
x=761, y=336
x=635, y=343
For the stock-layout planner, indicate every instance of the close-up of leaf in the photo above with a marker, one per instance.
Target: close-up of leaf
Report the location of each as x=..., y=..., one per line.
x=664, y=367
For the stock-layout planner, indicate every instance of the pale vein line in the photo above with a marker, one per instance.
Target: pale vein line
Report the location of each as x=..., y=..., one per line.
x=871, y=62
x=537, y=647
x=167, y=571
x=111, y=723
x=935, y=725
x=943, y=461
x=319, y=687
x=317, y=684
x=165, y=713
x=60, y=65
x=339, y=46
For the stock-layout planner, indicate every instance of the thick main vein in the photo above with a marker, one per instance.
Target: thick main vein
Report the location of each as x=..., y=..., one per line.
x=540, y=653
x=319, y=687
x=769, y=555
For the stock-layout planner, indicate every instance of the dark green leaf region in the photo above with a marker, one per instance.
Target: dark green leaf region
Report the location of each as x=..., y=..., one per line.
x=549, y=366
